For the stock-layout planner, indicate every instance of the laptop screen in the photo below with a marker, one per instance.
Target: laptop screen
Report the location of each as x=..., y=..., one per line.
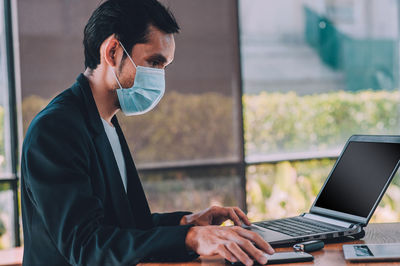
x=359, y=177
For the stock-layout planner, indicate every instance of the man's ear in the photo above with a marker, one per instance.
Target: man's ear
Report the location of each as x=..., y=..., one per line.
x=110, y=51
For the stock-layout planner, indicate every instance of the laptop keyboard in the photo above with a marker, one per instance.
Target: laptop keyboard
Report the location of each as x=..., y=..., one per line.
x=298, y=226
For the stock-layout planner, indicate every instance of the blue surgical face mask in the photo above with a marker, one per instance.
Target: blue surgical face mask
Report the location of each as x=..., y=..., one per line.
x=147, y=90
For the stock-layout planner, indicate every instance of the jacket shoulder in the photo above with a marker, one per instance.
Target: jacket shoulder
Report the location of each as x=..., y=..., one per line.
x=63, y=115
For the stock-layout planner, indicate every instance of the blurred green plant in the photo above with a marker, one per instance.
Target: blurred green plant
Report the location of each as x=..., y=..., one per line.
x=3, y=169
x=287, y=122
x=3, y=163
x=5, y=215
x=31, y=106
x=183, y=127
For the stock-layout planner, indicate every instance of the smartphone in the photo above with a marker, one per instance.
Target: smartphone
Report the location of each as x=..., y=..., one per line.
x=282, y=257
x=372, y=252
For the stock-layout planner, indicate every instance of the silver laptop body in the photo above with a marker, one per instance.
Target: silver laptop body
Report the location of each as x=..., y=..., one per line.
x=348, y=198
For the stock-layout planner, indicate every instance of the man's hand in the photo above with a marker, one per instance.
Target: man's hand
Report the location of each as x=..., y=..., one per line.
x=216, y=216
x=233, y=243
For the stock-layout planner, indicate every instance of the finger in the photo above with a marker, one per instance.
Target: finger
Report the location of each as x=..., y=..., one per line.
x=225, y=253
x=242, y=215
x=256, y=238
x=233, y=216
x=247, y=246
x=254, y=252
x=219, y=214
x=202, y=222
x=239, y=253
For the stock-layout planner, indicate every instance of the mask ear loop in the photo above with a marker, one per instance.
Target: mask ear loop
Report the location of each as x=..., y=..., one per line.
x=130, y=58
x=116, y=78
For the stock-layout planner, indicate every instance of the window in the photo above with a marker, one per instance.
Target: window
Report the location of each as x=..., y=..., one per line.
x=193, y=138
x=315, y=73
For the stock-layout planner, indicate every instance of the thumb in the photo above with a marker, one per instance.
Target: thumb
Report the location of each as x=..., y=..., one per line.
x=204, y=220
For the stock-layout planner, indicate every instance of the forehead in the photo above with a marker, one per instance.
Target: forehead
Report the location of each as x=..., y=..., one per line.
x=158, y=43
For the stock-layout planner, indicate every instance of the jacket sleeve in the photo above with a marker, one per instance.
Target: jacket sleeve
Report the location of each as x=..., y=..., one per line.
x=55, y=169
x=168, y=219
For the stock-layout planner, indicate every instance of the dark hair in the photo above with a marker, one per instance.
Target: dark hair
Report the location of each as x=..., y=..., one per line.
x=129, y=20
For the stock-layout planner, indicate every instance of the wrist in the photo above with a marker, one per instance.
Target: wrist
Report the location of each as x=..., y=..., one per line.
x=190, y=240
x=186, y=219
x=183, y=220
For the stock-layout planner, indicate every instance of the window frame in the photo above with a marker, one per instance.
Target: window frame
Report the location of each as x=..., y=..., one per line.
x=13, y=178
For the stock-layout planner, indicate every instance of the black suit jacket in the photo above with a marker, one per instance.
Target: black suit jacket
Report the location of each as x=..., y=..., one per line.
x=75, y=210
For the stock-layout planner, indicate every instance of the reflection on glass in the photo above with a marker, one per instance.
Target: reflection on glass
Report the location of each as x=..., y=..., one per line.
x=289, y=188
x=192, y=190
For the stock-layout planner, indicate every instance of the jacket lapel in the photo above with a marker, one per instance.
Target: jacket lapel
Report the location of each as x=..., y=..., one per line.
x=109, y=165
x=112, y=174
x=136, y=195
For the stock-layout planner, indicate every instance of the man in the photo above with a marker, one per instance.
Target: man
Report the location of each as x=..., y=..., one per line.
x=82, y=200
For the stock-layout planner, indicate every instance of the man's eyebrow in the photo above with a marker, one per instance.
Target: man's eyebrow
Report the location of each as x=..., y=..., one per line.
x=157, y=57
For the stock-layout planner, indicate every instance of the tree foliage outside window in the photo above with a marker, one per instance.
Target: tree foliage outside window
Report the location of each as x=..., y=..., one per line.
x=286, y=122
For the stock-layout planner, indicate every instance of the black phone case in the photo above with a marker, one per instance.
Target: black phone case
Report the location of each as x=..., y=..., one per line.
x=289, y=260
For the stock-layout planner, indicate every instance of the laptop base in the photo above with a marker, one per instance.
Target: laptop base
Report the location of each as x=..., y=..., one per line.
x=329, y=241
x=345, y=238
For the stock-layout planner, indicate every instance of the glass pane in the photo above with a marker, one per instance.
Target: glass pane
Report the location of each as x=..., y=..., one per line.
x=289, y=188
x=56, y=27
x=317, y=72
x=6, y=217
x=192, y=190
x=5, y=149
x=197, y=121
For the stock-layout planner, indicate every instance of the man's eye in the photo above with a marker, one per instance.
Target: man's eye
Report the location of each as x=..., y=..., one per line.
x=155, y=63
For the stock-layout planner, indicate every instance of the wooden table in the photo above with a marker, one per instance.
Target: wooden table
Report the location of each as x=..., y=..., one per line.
x=332, y=254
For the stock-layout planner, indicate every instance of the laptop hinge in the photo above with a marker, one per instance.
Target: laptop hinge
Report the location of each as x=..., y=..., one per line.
x=328, y=220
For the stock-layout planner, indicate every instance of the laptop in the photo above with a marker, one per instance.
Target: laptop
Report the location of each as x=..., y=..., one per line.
x=348, y=198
